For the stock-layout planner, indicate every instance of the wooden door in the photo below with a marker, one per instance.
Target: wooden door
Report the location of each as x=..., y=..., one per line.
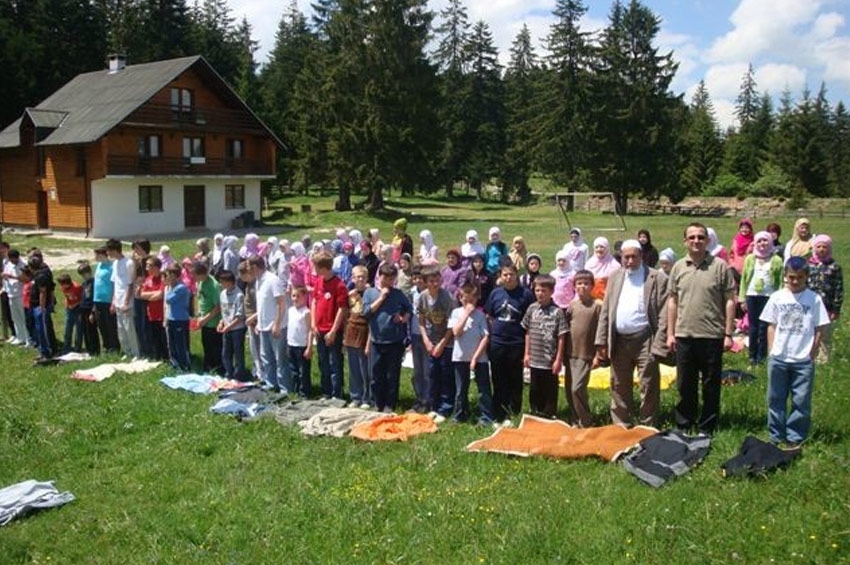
x=41, y=209
x=194, y=212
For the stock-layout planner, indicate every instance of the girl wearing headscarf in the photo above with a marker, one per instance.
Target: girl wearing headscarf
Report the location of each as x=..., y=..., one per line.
x=165, y=257
x=217, y=251
x=453, y=273
x=342, y=235
x=576, y=250
x=714, y=248
x=251, y=247
x=229, y=258
x=742, y=244
x=427, y=249
x=648, y=252
x=602, y=265
x=369, y=259
x=563, y=275
x=273, y=254
x=496, y=252
x=375, y=239
x=355, y=237
x=518, y=253
x=342, y=264
x=761, y=276
x=800, y=244
x=402, y=243
x=202, y=253
x=826, y=278
x=299, y=266
x=471, y=247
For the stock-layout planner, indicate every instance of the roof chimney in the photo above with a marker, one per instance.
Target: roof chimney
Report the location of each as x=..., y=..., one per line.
x=117, y=62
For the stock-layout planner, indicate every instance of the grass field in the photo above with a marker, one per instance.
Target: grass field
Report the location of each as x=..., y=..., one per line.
x=159, y=479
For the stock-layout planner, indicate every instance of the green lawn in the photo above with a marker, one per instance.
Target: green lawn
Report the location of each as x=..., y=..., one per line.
x=159, y=479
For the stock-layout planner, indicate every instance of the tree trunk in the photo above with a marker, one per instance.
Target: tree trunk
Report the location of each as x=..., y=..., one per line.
x=621, y=202
x=343, y=202
x=376, y=198
x=450, y=189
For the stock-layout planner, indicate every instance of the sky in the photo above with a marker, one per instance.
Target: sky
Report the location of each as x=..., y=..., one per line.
x=790, y=43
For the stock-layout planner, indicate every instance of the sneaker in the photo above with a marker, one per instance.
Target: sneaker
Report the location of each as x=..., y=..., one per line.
x=365, y=406
x=13, y=341
x=433, y=415
x=353, y=404
x=439, y=419
x=387, y=410
x=507, y=423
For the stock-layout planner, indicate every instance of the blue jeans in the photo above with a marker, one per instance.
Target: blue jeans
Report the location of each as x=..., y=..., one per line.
x=73, y=330
x=757, y=329
x=421, y=382
x=442, y=380
x=43, y=337
x=275, y=362
x=359, y=381
x=485, y=392
x=331, y=371
x=386, y=371
x=796, y=380
x=233, y=353
x=177, y=331
x=299, y=371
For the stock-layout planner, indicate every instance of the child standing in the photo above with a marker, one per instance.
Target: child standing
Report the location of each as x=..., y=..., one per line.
x=152, y=294
x=103, y=289
x=434, y=307
x=299, y=337
x=356, y=341
x=177, y=297
x=73, y=340
x=532, y=265
x=797, y=316
x=421, y=383
x=546, y=329
x=328, y=311
x=249, y=291
x=209, y=315
x=13, y=288
x=232, y=326
x=826, y=278
x=582, y=320
x=469, y=354
x=87, y=320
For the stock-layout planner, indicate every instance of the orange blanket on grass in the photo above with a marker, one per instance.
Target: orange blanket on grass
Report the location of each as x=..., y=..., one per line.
x=554, y=438
x=396, y=427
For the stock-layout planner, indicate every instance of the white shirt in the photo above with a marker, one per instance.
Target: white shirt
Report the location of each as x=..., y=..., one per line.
x=297, y=326
x=795, y=318
x=761, y=278
x=269, y=290
x=123, y=275
x=12, y=287
x=631, y=309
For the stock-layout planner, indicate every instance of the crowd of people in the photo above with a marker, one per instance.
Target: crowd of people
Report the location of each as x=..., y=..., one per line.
x=486, y=313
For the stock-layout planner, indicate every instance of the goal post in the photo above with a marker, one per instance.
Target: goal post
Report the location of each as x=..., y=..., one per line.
x=603, y=202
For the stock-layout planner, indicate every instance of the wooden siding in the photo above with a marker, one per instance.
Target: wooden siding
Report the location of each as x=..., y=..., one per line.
x=67, y=210
x=18, y=186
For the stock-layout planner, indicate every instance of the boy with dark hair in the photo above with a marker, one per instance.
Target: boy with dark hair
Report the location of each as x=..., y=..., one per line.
x=249, y=293
x=328, y=310
x=123, y=279
x=6, y=322
x=796, y=316
x=103, y=290
x=582, y=321
x=177, y=297
x=469, y=356
x=87, y=319
x=42, y=301
x=546, y=330
x=152, y=294
x=231, y=326
x=434, y=307
x=13, y=288
x=420, y=380
x=299, y=339
x=73, y=337
x=209, y=315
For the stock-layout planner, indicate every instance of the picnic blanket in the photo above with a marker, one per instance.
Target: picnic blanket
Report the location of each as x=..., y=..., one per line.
x=294, y=411
x=757, y=458
x=202, y=384
x=335, y=422
x=247, y=403
x=665, y=456
x=554, y=438
x=73, y=357
x=395, y=427
x=103, y=372
x=600, y=378
x=28, y=496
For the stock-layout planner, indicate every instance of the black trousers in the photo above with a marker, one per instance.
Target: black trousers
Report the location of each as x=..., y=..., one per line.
x=698, y=361
x=7, y=314
x=506, y=372
x=108, y=327
x=212, y=342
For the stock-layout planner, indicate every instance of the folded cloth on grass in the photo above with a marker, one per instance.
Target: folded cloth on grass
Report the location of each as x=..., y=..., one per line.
x=246, y=404
x=666, y=455
x=396, y=427
x=201, y=384
x=554, y=438
x=28, y=496
x=294, y=411
x=238, y=409
x=600, y=378
x=335, y=422
x=72, y=357
x=757, y=458
x=103, y=372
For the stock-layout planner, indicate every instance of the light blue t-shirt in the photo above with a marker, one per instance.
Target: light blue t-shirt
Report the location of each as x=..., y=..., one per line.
x=103, y=283
x=473, y=332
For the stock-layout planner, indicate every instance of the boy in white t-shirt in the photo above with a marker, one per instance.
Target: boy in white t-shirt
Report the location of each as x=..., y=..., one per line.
x=299, y=338
x=796, y=316
x=469, y=355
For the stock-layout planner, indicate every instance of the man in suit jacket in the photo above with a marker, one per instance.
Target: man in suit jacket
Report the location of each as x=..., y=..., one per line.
x=632, y=333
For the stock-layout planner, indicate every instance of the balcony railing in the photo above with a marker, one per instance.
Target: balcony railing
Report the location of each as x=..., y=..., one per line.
x=178, y=166
x=197, y=119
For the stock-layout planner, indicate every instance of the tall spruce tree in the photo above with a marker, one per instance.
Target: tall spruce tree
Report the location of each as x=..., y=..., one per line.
x=634, y=110
x=520, y=81
x=563, y=127
x=702, y=142
x=216, y=37
x=162, y=29
x=840, y=151
x=746, y=150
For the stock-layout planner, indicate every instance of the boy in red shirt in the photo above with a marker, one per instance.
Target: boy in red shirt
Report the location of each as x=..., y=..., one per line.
x=73, y=322
x=328, y=311
x=153, y=292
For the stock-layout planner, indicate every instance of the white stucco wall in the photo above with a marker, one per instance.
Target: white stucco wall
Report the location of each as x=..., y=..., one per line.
x=115, y=205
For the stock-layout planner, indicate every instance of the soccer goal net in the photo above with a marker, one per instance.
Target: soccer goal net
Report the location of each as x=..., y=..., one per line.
x=599, y=205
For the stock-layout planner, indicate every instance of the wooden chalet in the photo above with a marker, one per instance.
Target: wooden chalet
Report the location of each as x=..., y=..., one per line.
x=139, y=149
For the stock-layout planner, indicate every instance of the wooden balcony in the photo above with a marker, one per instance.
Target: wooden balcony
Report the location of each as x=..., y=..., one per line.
x=131, y=165
x=194, y=119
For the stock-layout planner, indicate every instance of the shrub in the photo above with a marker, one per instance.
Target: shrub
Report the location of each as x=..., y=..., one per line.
x=726, y=184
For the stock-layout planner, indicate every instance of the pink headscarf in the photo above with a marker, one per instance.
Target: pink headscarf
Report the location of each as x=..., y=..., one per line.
x=822, y=238
x=607, y=265
x=741, y=243
x=769, y=250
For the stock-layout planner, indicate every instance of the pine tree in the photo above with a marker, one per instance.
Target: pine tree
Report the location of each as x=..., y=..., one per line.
x=840, y=151
x=747, y=149
x=747, y=103
x=520, y=77
x=246, y=82
x=162, y=29
x=562, y=129
x=486, y=109
x=215, y=36
x=703, y=144
x=634, y=110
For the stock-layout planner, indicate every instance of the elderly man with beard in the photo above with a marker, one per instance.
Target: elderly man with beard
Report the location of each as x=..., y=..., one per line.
x=632, y=332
